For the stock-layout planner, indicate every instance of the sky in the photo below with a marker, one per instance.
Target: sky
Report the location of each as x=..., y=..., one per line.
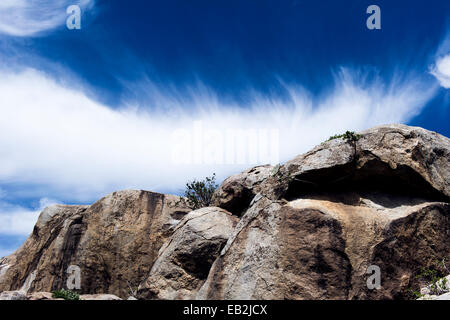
x=152, y=94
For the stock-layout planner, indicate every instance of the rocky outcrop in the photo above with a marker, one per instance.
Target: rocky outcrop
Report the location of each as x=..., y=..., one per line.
x=43, y=250
x=326, y=225
x=321, y=220
x=237, y=191
x=395, y=159
x=39, y=296
x=185, y=260
x=113, y=242
x=13, y=295
x=322, y=249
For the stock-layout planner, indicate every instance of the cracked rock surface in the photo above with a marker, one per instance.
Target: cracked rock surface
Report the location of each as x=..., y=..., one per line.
x=184, y=261
x=114, y=242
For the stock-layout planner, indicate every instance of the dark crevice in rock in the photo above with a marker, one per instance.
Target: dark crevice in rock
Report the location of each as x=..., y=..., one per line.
x=153, y=199
x=178, y=215
x=320, y=265
x=69, y=248
x=198, y=263
x=323, y=259
x=373, y=176
x=240, y=203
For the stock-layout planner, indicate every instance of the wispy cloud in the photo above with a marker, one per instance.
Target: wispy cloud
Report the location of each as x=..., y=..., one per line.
x=57, y=140
x=31, y=17
x=441, y=70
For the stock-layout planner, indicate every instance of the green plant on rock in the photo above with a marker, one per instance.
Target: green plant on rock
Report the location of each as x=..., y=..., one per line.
x=198, y=193
x=349, y=136
x=416, y=294
x=65, y=294
x=436, y=277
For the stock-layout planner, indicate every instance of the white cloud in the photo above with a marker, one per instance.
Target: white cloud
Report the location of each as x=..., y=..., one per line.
x=441, y=70
x=30, y=17
x=55, y=141
x=19, y=221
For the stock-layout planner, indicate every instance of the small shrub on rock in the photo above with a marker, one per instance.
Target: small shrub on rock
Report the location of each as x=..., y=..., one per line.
x=198, y=193
x=349, y=136
x=66, y=295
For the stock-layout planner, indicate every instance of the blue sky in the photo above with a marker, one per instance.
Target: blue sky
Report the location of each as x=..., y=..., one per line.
x=86, y=112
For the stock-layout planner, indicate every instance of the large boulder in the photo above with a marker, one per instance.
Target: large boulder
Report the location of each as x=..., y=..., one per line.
x=322, y=249
x=99, y=296
x=184, y=261
x=396, y=159
x=113, y=242
x=13, y=295
x=39, y=296
x=237, y=191
x=43, y=250
x=322, y=221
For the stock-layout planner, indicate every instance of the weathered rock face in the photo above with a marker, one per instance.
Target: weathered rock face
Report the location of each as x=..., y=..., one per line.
x=13, y=295
x=237, y=191
x=323, y=218
x=185, y=260
x=114, y=242
x=39, y=296
x=395, y=159
x=321, y=249
x=43, y=251
x=309, y=229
